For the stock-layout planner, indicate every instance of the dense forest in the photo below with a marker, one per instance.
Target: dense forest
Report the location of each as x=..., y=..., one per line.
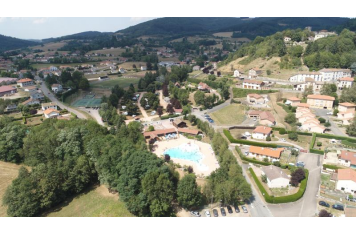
x=9, y=43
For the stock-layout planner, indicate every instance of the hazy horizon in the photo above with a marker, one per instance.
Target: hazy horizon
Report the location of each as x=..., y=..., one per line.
x=48, y=27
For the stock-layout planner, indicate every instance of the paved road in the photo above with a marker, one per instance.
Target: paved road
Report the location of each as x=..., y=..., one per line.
x=94, y=113
x=256, y=205
x=53, y=98
x=334, y=128
x=307, y=205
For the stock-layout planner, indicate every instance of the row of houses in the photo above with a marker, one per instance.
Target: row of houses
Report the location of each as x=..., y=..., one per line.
x=308, y=119
x=341, y=83
x=323, y=75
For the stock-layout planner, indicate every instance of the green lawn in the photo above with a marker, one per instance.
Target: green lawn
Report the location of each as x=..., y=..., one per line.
x=229, y=115
x=122, y=82
x=325, y=180
x=95, y=203
x=242, y=93
x=46, y=65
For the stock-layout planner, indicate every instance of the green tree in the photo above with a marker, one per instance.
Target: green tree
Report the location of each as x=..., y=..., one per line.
x=188, y=192
x=290, y=118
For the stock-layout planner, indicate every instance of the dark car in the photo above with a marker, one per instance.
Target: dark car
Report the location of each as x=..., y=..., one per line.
x=243, y=137
x=237, y=210
x=215, y=213
x=195, y=213
x=223, y=212
x=229, y=209
x=338, y=207
x=322, y=203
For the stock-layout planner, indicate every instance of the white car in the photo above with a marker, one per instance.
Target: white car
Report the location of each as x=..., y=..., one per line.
x=283, y=140
x=207, y=213
x=329, y=113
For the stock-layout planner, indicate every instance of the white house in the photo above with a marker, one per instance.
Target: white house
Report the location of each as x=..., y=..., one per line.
x=49, y=105
x=333, y=74
x=122, y=70
x=261, y=132
x=254, y=72
x=57, y=88
x=300, y=77
x=346, y=180
x=252, y=84
x=346, y=112
x=237, y=73
x=143, y=68
x=345, y=82
x=51, y=113
x=276, y=178
x=31, y=102
x=347, y=158
x=323, y=34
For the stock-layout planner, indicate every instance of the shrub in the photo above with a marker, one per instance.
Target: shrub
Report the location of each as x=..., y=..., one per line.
x=265, y=159
x=246, y=142
x=319, y=144
x=333, y=167
x=324, y=213
x=264, y=178
x=268, y=138
x=293, y=136
x=167, y=158
x=315, y=151
x=151, y=128
x=297, y=176
x=277, y=163
x=335, y=112
x=322, y=120
x=290, y=118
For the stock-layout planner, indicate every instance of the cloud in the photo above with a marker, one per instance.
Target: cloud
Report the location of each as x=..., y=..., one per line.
x=39, y=21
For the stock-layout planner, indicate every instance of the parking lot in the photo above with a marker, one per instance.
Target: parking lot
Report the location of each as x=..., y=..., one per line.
x=233, y=214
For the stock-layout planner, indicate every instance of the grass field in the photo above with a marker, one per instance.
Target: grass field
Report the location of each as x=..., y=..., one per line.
x=230, y=115
x=51, y=46
x=116, y=51
x=242, y=93
x=223, y=34
x=8, y=172
x=97, y=202
x=45, y=65
x=122, y=82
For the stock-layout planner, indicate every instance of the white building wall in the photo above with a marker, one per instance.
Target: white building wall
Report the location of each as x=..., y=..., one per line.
x=348, y=186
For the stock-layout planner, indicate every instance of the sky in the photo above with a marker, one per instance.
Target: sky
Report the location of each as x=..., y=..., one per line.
x=47, y=27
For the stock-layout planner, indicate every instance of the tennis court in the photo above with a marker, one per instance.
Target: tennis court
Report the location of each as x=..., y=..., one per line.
x=87, y=101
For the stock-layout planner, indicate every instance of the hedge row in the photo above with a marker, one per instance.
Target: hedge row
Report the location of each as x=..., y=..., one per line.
x=243, y=157
x=312, y=143
x=348, y=143
x=333, y=167
x=26, y=117
x=284, y=131
x=168, y=116
x=284, y=199
x=316, y=151
x=330, y=136
x=246, y=142
x=212, y=84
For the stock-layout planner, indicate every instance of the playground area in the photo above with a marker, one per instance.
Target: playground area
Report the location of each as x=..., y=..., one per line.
x=88, y=100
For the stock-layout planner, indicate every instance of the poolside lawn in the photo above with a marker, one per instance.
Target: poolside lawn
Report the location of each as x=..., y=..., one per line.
x=230, y=115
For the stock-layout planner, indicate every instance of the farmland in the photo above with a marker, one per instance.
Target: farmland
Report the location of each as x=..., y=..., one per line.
x=50, y=46
x=96, y=202
x=8, y=172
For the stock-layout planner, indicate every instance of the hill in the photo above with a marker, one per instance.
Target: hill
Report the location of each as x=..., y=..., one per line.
x=10, y=43
x=242, y=27
x=79, y=36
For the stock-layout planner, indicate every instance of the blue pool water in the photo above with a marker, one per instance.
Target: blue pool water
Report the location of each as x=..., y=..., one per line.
x=188, y=152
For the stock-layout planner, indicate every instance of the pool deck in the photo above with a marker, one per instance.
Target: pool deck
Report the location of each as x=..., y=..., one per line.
x=209, y=160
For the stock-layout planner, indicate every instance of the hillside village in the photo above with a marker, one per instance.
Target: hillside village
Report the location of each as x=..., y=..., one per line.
x=199, y=111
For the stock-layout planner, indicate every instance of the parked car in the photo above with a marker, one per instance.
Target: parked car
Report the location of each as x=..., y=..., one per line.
x=350, y=199
x=325, y=204
x=338, y=207
x=195, y=213
x=300, y=164
x=237, y=210
x=283, y=140
x=244, y=209
x=207, y=213
x=243, y=137
x=223, y=212
x=229, y=209
x=329, y=113
x=215, y=213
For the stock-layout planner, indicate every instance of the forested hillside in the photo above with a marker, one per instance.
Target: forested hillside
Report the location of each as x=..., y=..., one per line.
x=9, y=43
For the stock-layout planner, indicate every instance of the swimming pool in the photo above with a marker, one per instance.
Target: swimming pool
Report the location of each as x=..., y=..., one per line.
x=186, y=151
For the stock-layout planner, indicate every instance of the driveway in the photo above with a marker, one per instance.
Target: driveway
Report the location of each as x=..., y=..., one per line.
x=334, y=128
x=53, y=98
x=307, y=205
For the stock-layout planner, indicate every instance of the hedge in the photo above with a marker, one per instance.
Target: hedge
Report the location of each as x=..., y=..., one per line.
x=169, y=116
x=284, y=131
x=212, y=84
x=333, y=167
x=246, y=142
x=348, y=143
x=312, y=143
x=243, y=157
x=284, y=199
x=315, y=151
x=330, y=136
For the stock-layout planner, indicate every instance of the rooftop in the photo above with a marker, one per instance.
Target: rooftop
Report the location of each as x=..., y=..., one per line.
x=250, y=81
x=321, y=97
x=273, y=172
x=255, y=95
x=263, y=130
x=275, y=153
x=346, y=174
x=347, y=104
x=349, y=156
x=24, y=80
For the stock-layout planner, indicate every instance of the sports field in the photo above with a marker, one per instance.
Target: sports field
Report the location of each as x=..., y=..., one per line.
x=87, y=101
x=122, y=82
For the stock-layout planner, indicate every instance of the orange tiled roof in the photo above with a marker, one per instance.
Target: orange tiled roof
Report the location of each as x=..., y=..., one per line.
x=346, y=174
x=322, y=97
x=350, y=156
x=275, y=153
x=347, y=79
x=262, y=130
x=24, y=80
x=347, y=104
x=50, y=110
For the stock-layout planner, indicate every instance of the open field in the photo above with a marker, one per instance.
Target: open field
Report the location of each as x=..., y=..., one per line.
x=223, y=34
x=34, y=121
x=128, y=65
x=233, y=114
x=264, y=64
x=46, y=65
x=8, y=172
x=97, y=202
x=122, y=82
x=51, y=46
x=116, y=51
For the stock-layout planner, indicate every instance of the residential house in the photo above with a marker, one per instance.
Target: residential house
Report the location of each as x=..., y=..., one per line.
x=204, y=87
x=30, y=89
x=122, y=70
x=264, y=117
x=255, y=98
x=177, y=111
x=196, y=68
x=272, y=154
x=304, y=105
x=37, y=95
x=293, y=101
x=49, y=105
x=25, y=82
x=333, y=74
x=31, y=101
x=345, y=82
x=7, y=80
x=252, y=84
x=346, y=112
x=179, y=123
x=6, y=90
x=347, y=158
x=237, y=73
x=276, y=178
x=321, y=101
x=346, y=180
x=51, y=113
x=143, y=68
x=261, y=132
x=300, y=77
x=313, y=127
x=323, y=34
x=57, y=88
x=253, y=73
x=11, y=107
